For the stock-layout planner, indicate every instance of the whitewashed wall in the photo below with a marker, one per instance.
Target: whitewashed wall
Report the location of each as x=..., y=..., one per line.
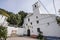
x=53, y=29
x=20, y=31
x=9, y=29
x=3, y=20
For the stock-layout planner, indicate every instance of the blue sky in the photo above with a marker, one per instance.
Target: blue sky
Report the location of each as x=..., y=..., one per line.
x=26, y=5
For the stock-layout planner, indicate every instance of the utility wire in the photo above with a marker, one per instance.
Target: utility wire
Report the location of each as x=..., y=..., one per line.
x=43, y=6
x=54, y=7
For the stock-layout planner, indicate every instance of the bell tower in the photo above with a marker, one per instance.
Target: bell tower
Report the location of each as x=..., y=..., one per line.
x=36, y=7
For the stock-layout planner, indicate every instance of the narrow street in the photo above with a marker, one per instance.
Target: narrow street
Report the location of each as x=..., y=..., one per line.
x=21, y=38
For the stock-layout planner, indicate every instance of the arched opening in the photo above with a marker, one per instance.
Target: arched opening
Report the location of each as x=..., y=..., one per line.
x=28, y=32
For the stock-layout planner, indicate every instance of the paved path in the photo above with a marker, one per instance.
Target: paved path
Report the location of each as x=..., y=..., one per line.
x=20, y=38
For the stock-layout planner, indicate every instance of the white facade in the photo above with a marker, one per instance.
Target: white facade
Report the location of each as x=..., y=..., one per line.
x=10, y=29
x=3, y=20
x=20, y=31
x=46, y=22
x=17, y=31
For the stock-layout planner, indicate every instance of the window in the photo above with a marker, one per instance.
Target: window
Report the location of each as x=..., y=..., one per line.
x=31, y=23
x=36, y=16
x=48, y=23
x=28, y=19
x=35, y=5
x=37, y=21
x=38, y=29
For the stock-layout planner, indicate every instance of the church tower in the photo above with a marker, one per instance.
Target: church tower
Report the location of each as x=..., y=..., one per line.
x=36, y=8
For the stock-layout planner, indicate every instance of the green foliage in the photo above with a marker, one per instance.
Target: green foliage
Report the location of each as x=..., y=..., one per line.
x=58, y=19
x=3, y=32
x=22, y=13
x=19, y=20
x=16, y=19
x=12, y=19
x=40, y=35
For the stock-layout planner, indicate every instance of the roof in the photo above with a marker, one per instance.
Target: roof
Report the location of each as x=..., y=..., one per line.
x=29, y=14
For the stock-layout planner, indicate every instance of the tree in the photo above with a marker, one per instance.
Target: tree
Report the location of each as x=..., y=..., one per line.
x=3, y=32
x=16, y=19
x=23, y=15
x=58, y=19
x=12, y=19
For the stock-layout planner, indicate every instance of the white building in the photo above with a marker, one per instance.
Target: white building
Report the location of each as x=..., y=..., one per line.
x=44, y=22
x=36, y=21
x=3, y=20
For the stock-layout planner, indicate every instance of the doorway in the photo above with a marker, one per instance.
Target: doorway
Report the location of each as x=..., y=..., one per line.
x=28, y=32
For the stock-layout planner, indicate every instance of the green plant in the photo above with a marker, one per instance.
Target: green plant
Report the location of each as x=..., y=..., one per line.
x=16, y=19
x=3, y=32
x=58, y=19
x=40, y=35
